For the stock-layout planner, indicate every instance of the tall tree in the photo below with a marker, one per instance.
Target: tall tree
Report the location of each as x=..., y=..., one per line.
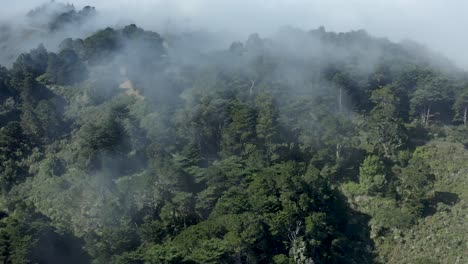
x=14, y=148
x=461, y=107
x=241, y=128
x=267, y=121
x=372, y=176
x=65, y=68
x=417, y=181
x=385, y=131
x=431, y=98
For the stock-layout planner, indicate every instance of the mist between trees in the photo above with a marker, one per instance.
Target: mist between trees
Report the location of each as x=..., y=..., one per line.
x=124, y=145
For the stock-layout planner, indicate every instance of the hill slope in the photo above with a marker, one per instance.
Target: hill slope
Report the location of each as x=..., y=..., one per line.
x=306, y=147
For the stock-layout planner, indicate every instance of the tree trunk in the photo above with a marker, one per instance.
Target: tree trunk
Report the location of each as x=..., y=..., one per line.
x=428, y=115
x=465, y=115
x=425, y=115
x=386, y=150
x=252, y=84
x=338, y=151
x=340, y=100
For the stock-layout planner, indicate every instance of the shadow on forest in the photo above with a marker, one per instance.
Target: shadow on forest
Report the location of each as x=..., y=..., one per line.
x=356, y=228
x=54, y=248
x=445, y=198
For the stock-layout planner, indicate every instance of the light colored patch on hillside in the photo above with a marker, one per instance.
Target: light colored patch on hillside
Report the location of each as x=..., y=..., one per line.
x=441, y=237
x=449, y=163
x=130, y=89
x=128, y=85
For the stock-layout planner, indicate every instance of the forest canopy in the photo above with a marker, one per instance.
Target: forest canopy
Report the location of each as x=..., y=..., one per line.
x=128, y=146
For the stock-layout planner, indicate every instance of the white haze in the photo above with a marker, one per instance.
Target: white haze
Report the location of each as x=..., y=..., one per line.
x=439, y=24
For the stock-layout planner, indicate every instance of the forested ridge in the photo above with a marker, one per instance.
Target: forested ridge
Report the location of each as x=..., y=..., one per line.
x=130, y=146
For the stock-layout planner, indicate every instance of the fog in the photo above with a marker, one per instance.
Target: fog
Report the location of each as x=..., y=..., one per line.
x=120, y=155
x=437, y=24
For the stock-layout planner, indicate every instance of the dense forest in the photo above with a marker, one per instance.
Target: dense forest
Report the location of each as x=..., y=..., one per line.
x=129, y=146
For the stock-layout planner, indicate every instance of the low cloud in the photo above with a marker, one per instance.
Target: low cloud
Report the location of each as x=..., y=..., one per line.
x=438, y=24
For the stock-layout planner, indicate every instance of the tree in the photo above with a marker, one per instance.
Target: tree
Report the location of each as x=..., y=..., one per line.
x=99, y=137
x=14, y=148
x=431, y=98
x=28, y=237
x=241, y=128
x=372, y=176
x=385, y=131
x=31, y=93
x=416, y=183
x=33, y=63
x=267, y=121
x=101, y=45
x=179, y=213
x=65, y=68
x=461, y=107
x=204, y=124
x=50, y=119
x=5, y=89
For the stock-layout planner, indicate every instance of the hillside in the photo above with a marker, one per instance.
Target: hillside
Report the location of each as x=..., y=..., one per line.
x=49, y=24
x=439, y=237
x=127, y=146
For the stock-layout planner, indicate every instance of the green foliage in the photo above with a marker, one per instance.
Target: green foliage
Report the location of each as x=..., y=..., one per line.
x=28, y=237
x=460, y=107
x=65, y=68
x=386, y=133
x=5, y=89
x=33, y=63
x=267, y=120
x=101, y=45
x=281, y=259
x=14, y=148
x=431, y=98
x=417, y=182
x=237, y=159
x=372, y=175
x=241, y=129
